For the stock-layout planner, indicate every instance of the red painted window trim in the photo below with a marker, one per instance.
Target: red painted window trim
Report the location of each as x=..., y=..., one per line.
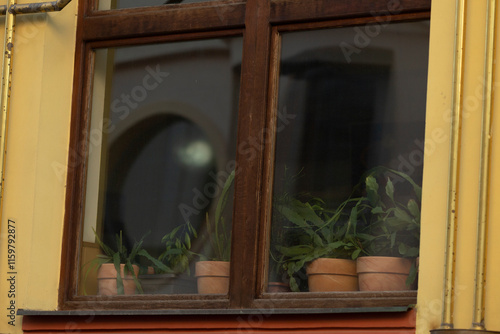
x=354, y=323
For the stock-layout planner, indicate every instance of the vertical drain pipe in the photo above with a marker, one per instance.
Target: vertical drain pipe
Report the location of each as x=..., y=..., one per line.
x=451, y=224
x=479, y=293
x=6, y=88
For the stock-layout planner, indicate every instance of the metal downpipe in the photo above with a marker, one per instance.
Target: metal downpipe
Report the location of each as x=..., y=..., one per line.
x=6, y=89
x=484, y=176
x=451, y=224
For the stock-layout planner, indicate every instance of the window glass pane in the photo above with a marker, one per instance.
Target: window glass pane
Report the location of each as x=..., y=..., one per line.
x=351, y=112
x=121, y=4
x=161, y=151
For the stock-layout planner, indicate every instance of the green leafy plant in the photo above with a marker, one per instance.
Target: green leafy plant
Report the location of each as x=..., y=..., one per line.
x=177, y=254
x=219, y=233
x=118, y=254
x=391, y=218
x=322, y=234
x=380, y=221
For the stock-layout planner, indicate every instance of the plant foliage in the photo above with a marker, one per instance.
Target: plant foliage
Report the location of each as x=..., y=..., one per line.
x=323, y=234
x=391, y=219
x=376, y=219
x=177, y=254
x=218, y=229
x=118, y=254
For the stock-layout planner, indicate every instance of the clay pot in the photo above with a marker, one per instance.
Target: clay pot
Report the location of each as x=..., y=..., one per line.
x=383, y=273
x=212, y=277
x=332, y=275
x=273, y=287
x=106, y=280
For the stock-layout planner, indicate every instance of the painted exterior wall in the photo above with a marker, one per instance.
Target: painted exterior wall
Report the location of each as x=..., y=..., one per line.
x=435, y=181
x=37, y=158
x=37, y=153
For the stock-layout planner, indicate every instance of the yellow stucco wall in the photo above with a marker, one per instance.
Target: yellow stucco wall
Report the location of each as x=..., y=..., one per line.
x=434, y=206
x=37, y=142
x=435, y=171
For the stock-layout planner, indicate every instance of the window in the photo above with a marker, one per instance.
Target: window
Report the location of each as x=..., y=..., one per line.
x=162, y=142
x=294, y=101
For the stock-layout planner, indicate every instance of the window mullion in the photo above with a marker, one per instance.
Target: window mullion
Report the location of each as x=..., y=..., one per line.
x=250, y=155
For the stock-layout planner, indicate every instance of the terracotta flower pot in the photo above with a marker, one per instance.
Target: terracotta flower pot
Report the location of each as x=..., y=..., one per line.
x=212, y=277
x=332, y=275
x=383, y=273
x=273, y=287
x=106, y=280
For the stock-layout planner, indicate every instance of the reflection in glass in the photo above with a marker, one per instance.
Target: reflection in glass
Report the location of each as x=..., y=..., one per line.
x=349, y=102
x=161, y=148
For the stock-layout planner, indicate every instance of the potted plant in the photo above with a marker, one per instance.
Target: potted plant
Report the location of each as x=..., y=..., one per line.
x=170, y=272
x=327, y=247
x=117, y=268
x=212, y=272
x=391, y=231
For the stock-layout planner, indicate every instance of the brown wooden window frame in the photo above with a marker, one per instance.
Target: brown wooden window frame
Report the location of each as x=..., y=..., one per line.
x=260, y=22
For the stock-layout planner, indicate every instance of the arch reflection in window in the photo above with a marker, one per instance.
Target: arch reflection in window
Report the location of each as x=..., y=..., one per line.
x=161, y=148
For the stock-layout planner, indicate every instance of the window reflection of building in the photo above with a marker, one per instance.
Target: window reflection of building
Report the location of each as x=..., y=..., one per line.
x=172, y=113
x=154, y=166
x=351, y=113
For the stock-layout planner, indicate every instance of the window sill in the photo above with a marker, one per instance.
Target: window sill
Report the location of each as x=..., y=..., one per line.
x=390, y=309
